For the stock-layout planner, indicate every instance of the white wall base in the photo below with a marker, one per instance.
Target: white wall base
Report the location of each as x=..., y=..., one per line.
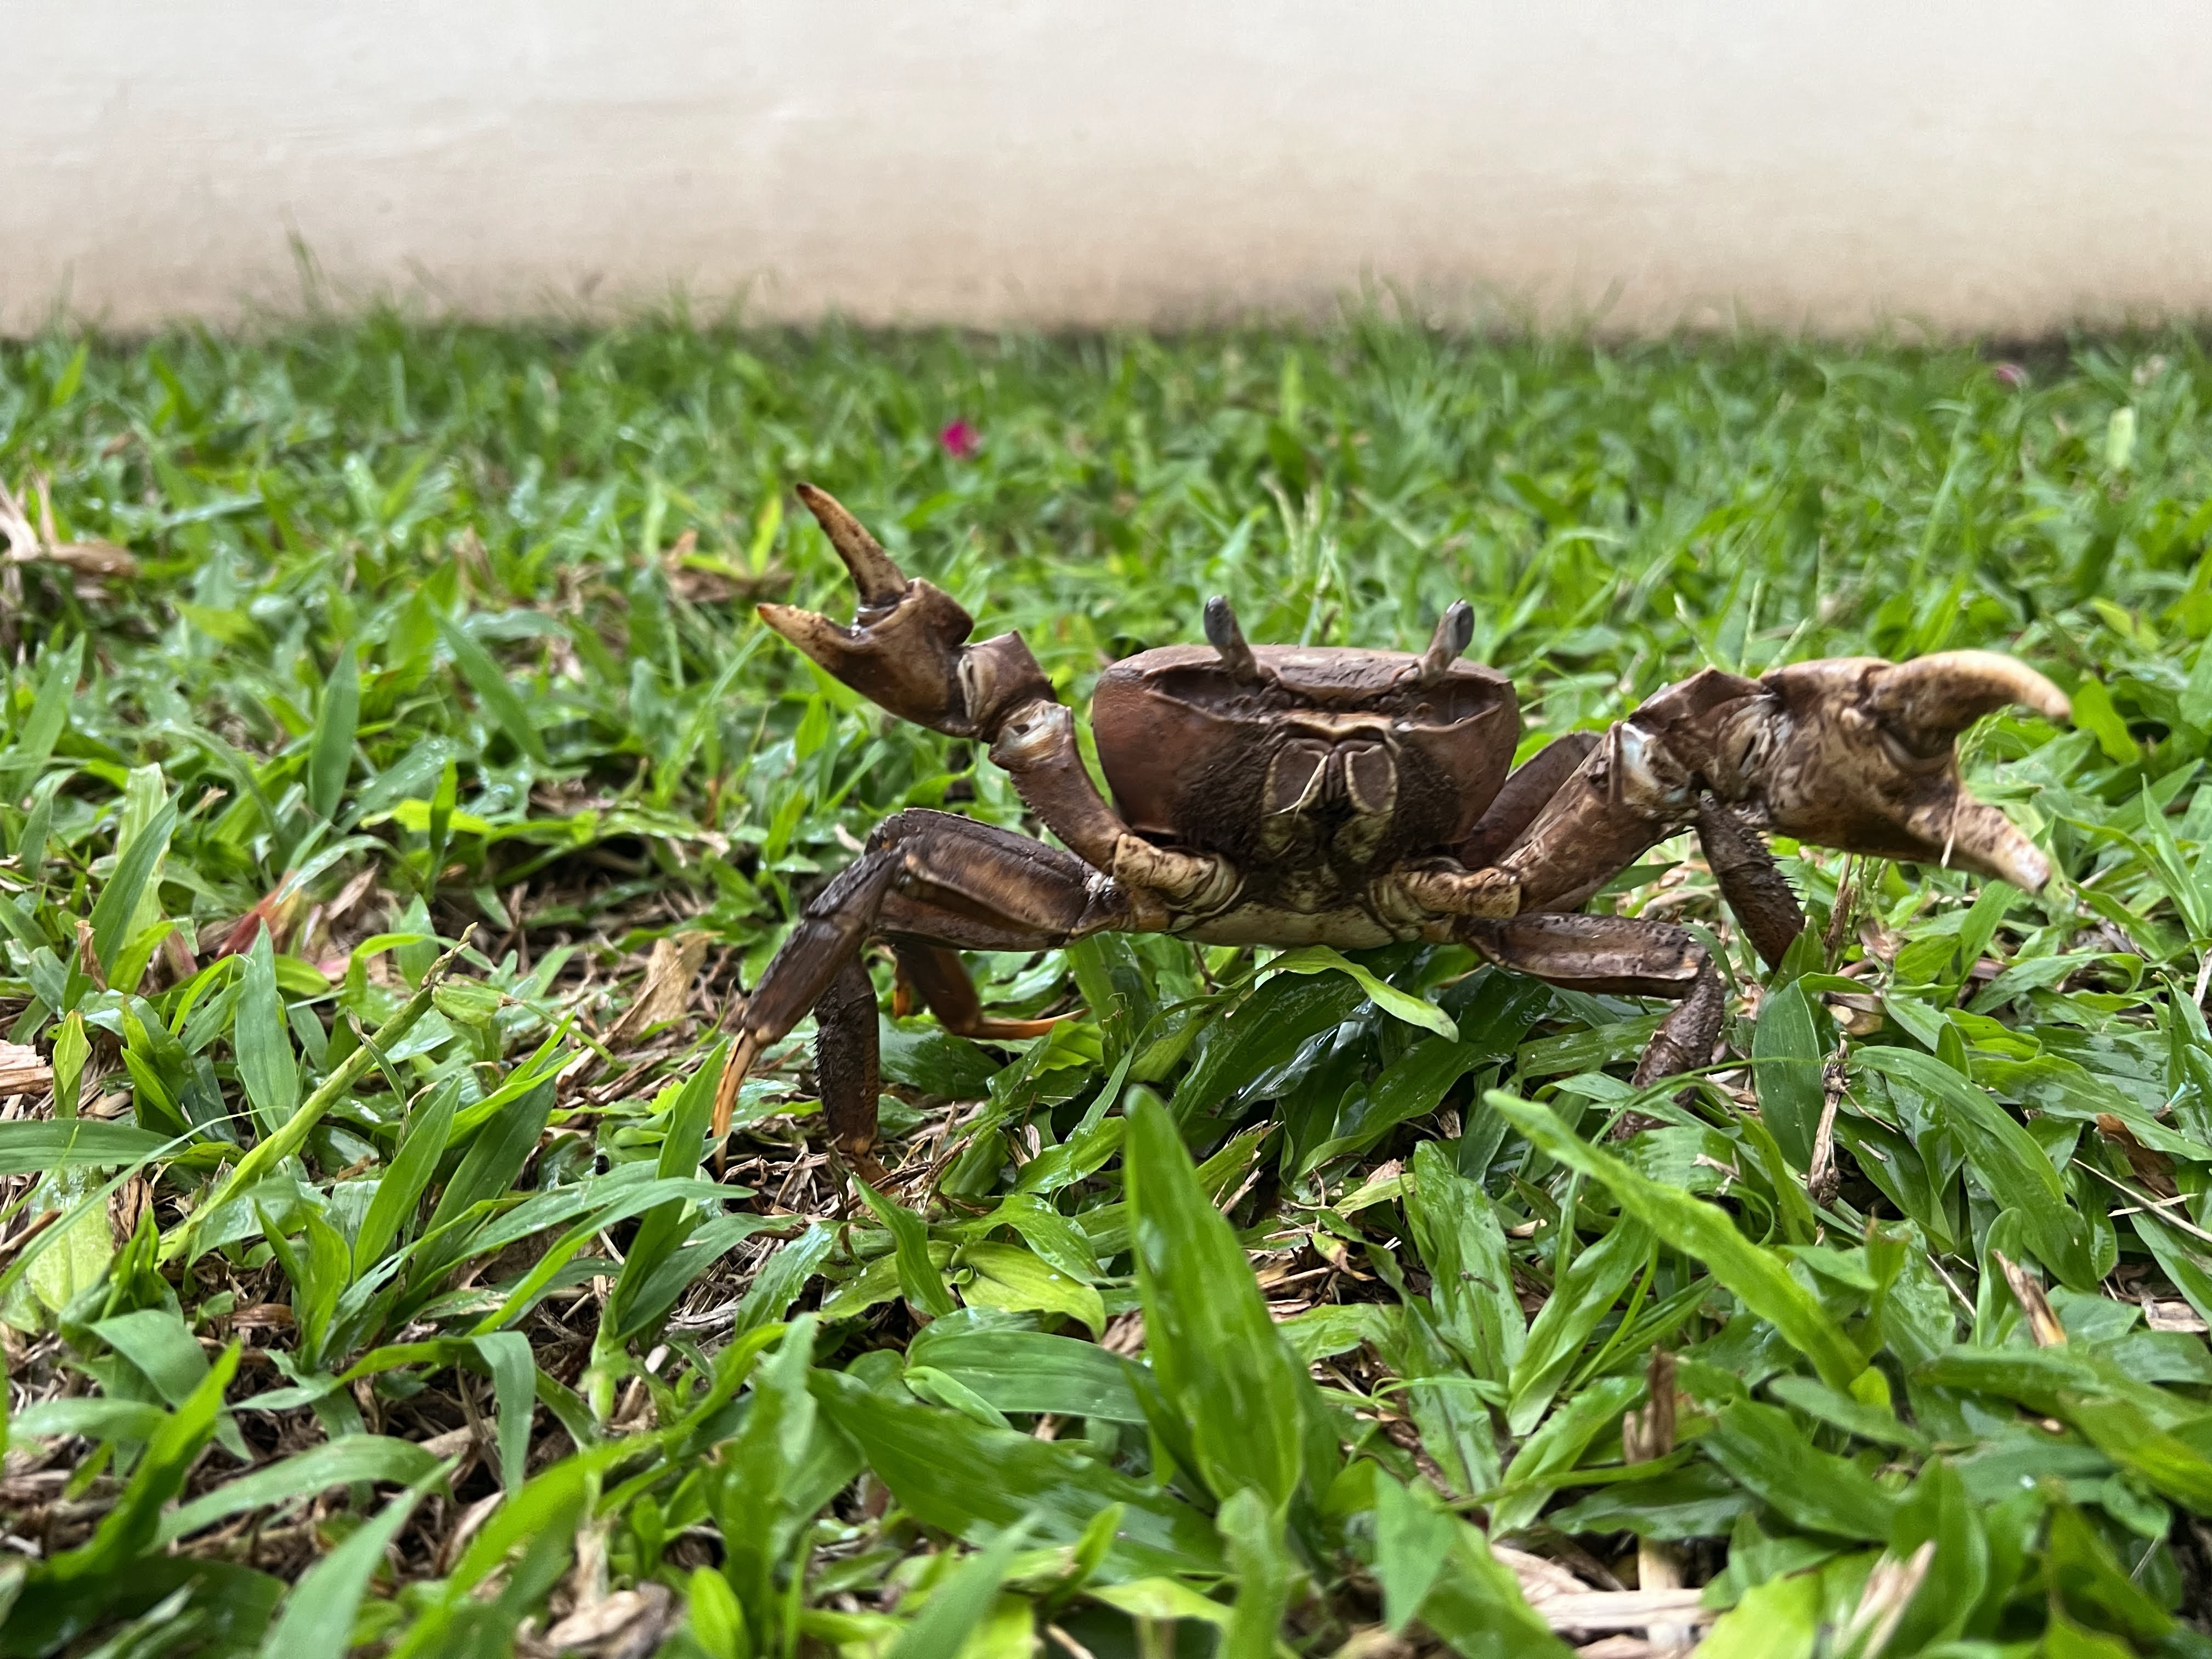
x=1836, y=165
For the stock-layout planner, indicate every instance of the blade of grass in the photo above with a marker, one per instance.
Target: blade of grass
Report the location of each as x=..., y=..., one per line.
x=179, y=1242
x=1705, y=1232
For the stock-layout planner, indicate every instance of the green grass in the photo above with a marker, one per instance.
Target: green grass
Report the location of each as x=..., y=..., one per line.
x=399, y=1279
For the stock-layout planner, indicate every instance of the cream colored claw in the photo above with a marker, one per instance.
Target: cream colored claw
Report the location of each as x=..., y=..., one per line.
x=1931, y=700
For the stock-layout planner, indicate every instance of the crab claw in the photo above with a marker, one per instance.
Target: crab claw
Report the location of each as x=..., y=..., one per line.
x=1857, y=754
x=902, y=649
x=906, y=648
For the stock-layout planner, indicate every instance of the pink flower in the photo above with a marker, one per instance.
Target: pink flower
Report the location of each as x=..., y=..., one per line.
x=961, y=440
x=2011, y=374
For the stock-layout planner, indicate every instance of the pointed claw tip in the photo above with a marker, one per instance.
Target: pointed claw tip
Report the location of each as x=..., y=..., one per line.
x=739, y=1061
x=816, y=636
x=875, y=577
x=1935, y=697
x=2024, y=867
x=1978, y=837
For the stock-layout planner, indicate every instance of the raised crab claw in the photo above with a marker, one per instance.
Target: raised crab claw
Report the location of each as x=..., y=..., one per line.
x=1286, y=795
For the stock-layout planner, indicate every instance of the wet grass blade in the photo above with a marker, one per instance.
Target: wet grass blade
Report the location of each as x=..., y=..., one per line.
x=1581, y=1297
x=266, y=1064
x=2004, y=1155
x=306, y=1474
x=331, y=759
x=318, y=1617
x=919, y=1281
x=1786, y=1060
x=500, y=698
x=514, y=1370
x=958, y=1605
x=406, y=1178
x=1218, y=1358
x=69, y=1143
x=119, y=899
x=1704, y=1232
x=973, y=1481
x=264, y=1155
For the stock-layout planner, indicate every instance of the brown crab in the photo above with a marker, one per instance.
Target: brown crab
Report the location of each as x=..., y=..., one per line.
x=1298, y=794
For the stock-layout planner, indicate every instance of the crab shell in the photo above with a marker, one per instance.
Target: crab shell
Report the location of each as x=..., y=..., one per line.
x=1323, y=750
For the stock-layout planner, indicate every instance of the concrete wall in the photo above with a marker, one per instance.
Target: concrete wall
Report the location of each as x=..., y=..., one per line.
x=1833, y=163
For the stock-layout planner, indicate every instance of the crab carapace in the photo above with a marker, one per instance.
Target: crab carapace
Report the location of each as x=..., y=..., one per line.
x=1287, y=795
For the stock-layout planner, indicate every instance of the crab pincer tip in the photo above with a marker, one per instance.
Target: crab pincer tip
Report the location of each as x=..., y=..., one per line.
x=816, y=635
x=876, y=579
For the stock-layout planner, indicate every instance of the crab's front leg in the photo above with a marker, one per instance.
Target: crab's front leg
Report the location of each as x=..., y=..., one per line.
x=1850, y=753
x=1624, y=955
x=935, y=878
x=907, y=650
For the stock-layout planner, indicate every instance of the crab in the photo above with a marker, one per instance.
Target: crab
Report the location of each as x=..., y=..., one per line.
x=1287, y=795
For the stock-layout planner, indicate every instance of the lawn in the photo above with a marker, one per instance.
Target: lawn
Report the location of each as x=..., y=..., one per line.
x=397, y=793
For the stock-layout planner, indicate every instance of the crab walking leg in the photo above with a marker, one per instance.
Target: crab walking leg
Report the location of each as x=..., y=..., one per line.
x=1757, y=892
x=847, y=1046
x=981, y=879
x=847, y=1051
x=1625, y=955
x=936, y=974
x=907, y=650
